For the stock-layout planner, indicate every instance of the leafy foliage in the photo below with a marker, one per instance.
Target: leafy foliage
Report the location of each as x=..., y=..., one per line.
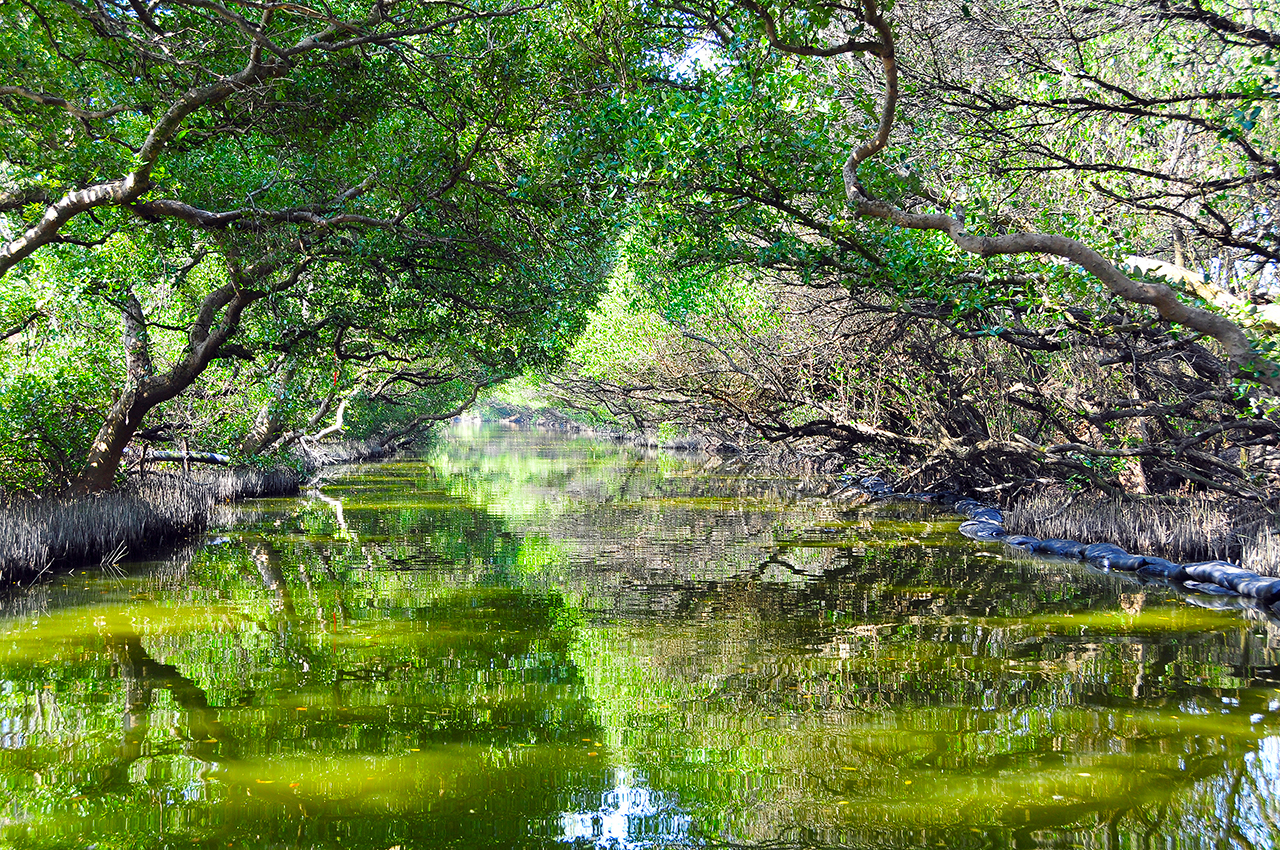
x=396, y=220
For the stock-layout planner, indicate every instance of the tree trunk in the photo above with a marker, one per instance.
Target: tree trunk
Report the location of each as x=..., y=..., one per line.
x=206, y=335
x=127, y=410
x=117, y=430
x=269, y=422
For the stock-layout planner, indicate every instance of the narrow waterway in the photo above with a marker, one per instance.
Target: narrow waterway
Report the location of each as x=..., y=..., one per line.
x=527, y=640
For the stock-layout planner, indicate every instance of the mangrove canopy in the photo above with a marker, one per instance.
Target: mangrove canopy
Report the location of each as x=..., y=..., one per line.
x=983, y=242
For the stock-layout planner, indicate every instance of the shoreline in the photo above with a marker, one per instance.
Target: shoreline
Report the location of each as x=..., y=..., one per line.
x=1212, y=579
x=1189, y=528
x=148, y=514
x=161, y=509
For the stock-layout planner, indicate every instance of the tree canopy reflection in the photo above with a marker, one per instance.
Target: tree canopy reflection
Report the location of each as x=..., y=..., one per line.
x=525, y=642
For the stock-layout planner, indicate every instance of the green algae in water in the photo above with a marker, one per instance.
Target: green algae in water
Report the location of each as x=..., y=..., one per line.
x=532, y=641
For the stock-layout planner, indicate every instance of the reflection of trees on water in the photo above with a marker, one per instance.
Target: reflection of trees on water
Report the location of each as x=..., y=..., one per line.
x=1247, y=798
x=880, y=620
x=671, y=668
x=207, y=740
x=90, y=733
x=290, y=684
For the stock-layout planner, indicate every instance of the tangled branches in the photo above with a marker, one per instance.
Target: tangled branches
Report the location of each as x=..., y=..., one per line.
x=1119, y=401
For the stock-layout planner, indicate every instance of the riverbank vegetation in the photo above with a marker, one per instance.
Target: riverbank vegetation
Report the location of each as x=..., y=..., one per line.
x=40, y=536
x=978, y=246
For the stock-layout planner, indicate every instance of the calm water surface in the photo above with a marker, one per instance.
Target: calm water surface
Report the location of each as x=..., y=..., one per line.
x=524, y=640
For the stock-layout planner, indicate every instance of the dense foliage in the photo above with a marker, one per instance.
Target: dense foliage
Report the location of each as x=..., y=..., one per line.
x=990, y=240
x=228, y=222
x=996, y=241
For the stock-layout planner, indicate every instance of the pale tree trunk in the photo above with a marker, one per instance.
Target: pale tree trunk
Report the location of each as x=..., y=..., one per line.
x=291, y=437
x=338, y=424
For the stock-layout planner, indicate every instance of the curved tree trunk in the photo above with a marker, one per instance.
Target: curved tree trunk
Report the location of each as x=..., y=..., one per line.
x=145, y=391
x=269, y=422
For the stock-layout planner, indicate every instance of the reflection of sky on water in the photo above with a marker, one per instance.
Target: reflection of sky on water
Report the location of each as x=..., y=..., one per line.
x=1256, y=809
x=630, y=814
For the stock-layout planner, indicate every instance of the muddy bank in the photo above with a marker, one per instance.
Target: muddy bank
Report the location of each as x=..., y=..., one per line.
x=1208, y=579
x=148, y=514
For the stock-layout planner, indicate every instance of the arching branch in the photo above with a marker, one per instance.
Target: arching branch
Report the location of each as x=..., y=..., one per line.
x=1241, y=354
x=1235, y=343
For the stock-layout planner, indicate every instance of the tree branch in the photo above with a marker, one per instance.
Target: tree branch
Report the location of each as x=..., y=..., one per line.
x=61, y=103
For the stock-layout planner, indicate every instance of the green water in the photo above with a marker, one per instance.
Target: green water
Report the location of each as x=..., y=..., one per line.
x=523, y=640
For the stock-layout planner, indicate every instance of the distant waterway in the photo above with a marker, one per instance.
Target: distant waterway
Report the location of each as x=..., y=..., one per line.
x=524, y=639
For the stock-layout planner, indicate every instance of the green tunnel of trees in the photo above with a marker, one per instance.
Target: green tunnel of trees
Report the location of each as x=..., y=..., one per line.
x=984, y=241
